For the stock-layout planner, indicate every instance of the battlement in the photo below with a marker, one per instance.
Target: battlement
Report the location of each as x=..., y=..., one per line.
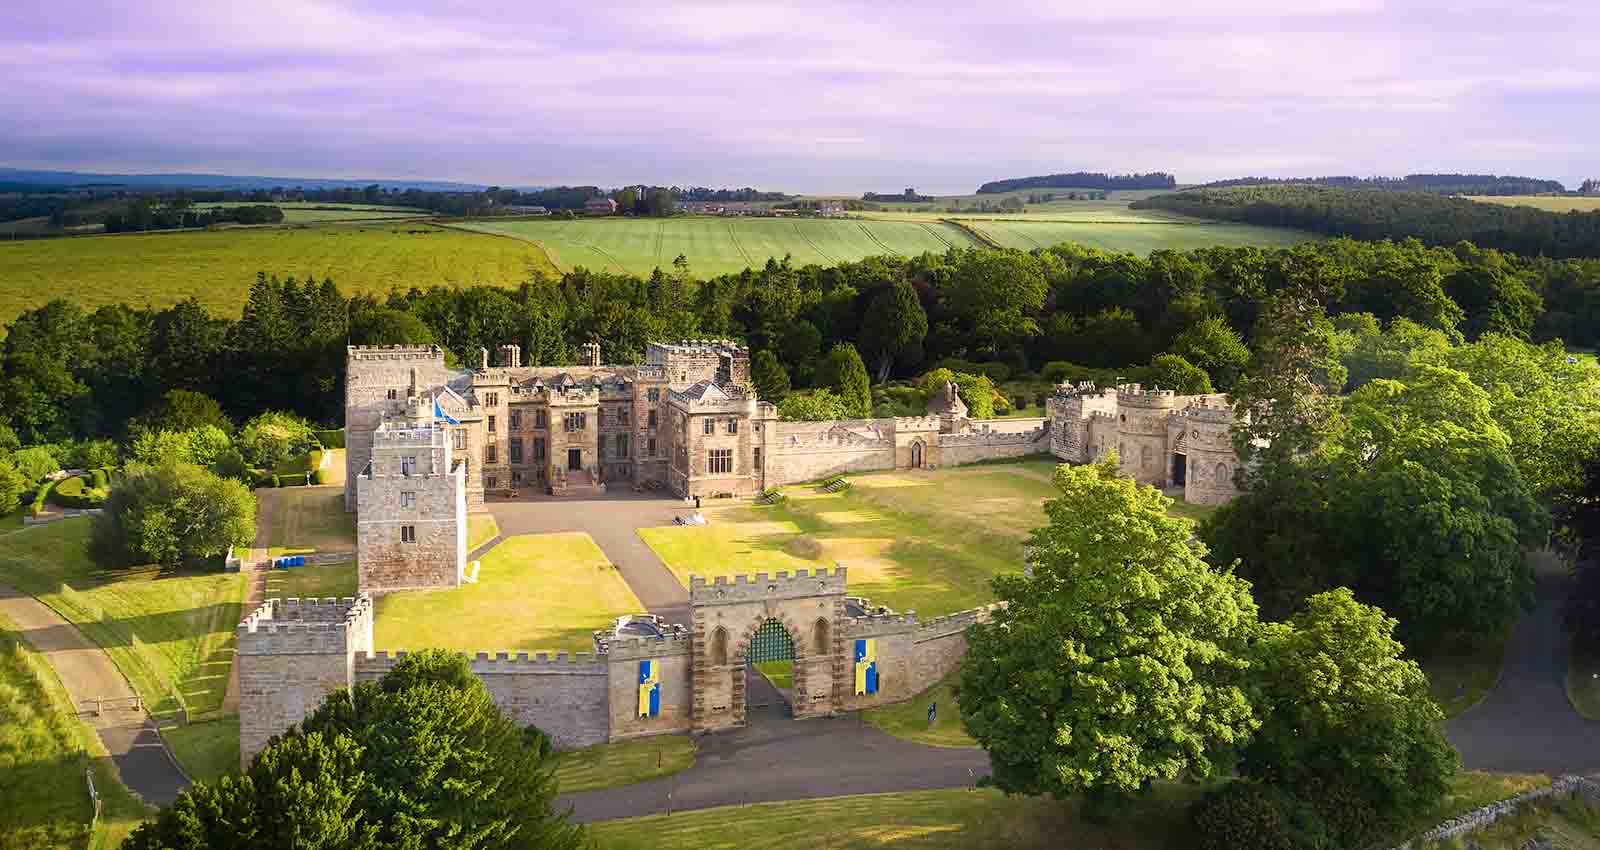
x=781, y=585
x=959, y=621
x=1208, y=414
x=1102, y=414
x=377, y=663
x=692, y=346
x=917, y=423
x=304, y=626
x=372, y=353
x=854, y=625
x=631, y=648
x=392, y=435
x=992, y=438
x=1135, y=395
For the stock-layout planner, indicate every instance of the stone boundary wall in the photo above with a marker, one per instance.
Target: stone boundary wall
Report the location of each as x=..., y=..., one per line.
x=780, y=585
x=674, y=655
x=1479, y=818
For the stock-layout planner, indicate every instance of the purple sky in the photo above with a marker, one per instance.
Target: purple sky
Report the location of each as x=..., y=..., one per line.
x=805, y=95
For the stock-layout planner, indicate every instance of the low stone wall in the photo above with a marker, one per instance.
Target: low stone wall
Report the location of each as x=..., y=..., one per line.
x=1477, y=819
x=975, y=446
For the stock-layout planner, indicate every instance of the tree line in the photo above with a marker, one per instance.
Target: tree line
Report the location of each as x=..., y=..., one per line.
x=1082, y=180
x=1440, y=184
x=1379, y=214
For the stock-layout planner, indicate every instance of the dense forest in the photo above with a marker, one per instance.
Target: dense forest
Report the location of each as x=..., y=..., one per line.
x=1068, y=312
x=1439, y=184
x=1082, y=180
x=1380, y=214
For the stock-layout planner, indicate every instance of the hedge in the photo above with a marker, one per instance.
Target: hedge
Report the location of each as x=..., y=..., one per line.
x=319, y=477
x=99, y=478
x=41, y=496
x=298, y=479
x=333, y=439
x=78, y=492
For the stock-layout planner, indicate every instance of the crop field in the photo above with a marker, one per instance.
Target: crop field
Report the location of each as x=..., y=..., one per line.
x=307, y=212
x=1549, y=203
x=161, y=269
x=720, y=245
x=1134, y=237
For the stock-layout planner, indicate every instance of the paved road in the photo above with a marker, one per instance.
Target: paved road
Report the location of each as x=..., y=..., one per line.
x=776, y=758
x=87, y=672
x=611, y=521
x=1526, y=723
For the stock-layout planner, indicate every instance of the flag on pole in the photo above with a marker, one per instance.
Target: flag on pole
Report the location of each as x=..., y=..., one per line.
x=438, y=413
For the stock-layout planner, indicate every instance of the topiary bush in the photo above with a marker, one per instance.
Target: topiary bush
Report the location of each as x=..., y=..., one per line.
x=99, y=478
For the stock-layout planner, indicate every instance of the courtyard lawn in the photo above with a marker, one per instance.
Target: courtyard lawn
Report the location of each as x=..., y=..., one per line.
x=534, y=592
x=316, y=582
x=1583, y=681
x=45, y=750
x=927, y=542
x=623, y=763
x=779, y=673
x=163, y=628
x=307, y=519
x=909, y=719
x=206, y=750
x=924, y=820
x=481, y=528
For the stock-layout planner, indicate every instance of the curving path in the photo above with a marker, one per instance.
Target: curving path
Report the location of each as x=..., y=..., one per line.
x=87, y=673
x=1526, y=724
x=775, y=758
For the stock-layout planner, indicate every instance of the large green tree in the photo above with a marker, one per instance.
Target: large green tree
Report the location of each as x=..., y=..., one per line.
x=894, y=327
x=845, y=374
x=995, y=294
x=1117, y=657
x=421, y=759
x=172, y=513
x=769, y=376
x=1287, y=400
x=1216, y=348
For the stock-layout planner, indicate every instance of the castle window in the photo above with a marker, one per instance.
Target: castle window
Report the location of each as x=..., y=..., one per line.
x=516, y=450
x=721, y=461
x=538, y=448
x=653, y=394
x=602, y=446
x=758, y=458
x=491, y=454
x=650, y=447
x=459, y=436
x=516, y=479
x=733, y=426
x=622, y=445
x=408, y=534
x=491, y=399
x=577, y=421
x=491, y=423
x=408, y=499
x=408, y=465
x=719, y=646
x=821, y=643
x=491, y=483
x=516, y=420
x=622, y=416
x=393, y=394
x=540, y=419
x=711, y=426
x=652, y=420
x=601, y=417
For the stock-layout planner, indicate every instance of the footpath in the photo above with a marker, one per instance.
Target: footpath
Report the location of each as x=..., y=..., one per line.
x=147, y=767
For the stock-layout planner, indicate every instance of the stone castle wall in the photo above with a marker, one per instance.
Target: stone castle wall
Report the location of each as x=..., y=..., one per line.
x=290, y=655
x=377, y=382
x=675, y=658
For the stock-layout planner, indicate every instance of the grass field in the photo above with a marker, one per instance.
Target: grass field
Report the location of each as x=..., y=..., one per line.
x=1550, y=203
x=307, y=519
x=1138, y=238
x=206, y=750
x=623, y=763
x=909, y=719
x=308, y=212
x=316, y=582
x=535, y=592
x=927, y=542
x=218, y=267
x=159, y=626
x=917, y=820
x=44, y=751
x=1570, y=824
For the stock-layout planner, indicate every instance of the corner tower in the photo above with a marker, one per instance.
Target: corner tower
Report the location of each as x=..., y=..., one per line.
x=1142, y=433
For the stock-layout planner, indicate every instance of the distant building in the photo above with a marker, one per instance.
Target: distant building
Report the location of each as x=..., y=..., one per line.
x=521, y=209
x=600, y=206
x=830, y=208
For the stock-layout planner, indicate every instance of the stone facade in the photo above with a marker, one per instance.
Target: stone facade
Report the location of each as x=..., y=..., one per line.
x=412, y=530
x=1161, y=438
x=293, y=653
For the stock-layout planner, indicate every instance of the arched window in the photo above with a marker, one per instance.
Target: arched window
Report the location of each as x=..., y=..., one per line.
x=821, y=641
x=1144, y=457
x=916, y=455
x=1222, y=474
x=719, y=646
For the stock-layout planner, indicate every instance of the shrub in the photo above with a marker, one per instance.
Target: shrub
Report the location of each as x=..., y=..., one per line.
x=12, y=486
x=100, y=478
x=169, y=514
x=296, y=479
x=78, y=492
x=35, y=462
x=805, y=546
x=277, y=480
x=273, y=437
x=92, y=453
x=332, y=438
x=1261, y=817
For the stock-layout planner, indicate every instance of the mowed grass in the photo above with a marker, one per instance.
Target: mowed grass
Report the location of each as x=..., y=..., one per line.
x=716, y=245
x=623, y=763
x=44, y=751
x=1134, y=237
x=1550, y=203
x=218, y=267
x=918, y=820
x=306, y=520
x=909, y=719
x=163, y=628
x=206, y=750
x=315, y=582
x=926, y=541
x=534, y=592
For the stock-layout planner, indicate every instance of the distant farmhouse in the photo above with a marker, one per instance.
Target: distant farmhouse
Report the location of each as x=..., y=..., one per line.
x=600, y=206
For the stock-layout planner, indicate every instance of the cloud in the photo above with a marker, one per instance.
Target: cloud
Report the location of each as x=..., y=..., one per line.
x=825, y=96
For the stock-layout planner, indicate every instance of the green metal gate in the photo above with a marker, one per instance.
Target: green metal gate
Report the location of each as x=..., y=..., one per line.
x=771, y=643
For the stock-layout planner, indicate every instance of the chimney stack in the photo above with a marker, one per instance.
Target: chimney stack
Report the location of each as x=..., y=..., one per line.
x=483, y=358
x=589, y=354
x=511, y=356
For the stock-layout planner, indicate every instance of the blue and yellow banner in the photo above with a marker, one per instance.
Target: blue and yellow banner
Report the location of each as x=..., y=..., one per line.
x=649, y=689
x=866, y=666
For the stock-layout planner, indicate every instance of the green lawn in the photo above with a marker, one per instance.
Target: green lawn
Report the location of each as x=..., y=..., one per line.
x=779, y=673
x=624, y=763
x=206, y=750
x=316, y=582
x=909, y=719
x=183, y=619
x=218, y=267
x=918, y=820
x=1583, y=682
x=927, y=542
x=481, y=528
x=1460, y=679
x=1470, y=789
x=44, y=752
x=535, y=592
x=307, y=519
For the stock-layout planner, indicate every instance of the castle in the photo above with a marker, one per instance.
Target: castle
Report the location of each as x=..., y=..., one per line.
x=427, y=444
